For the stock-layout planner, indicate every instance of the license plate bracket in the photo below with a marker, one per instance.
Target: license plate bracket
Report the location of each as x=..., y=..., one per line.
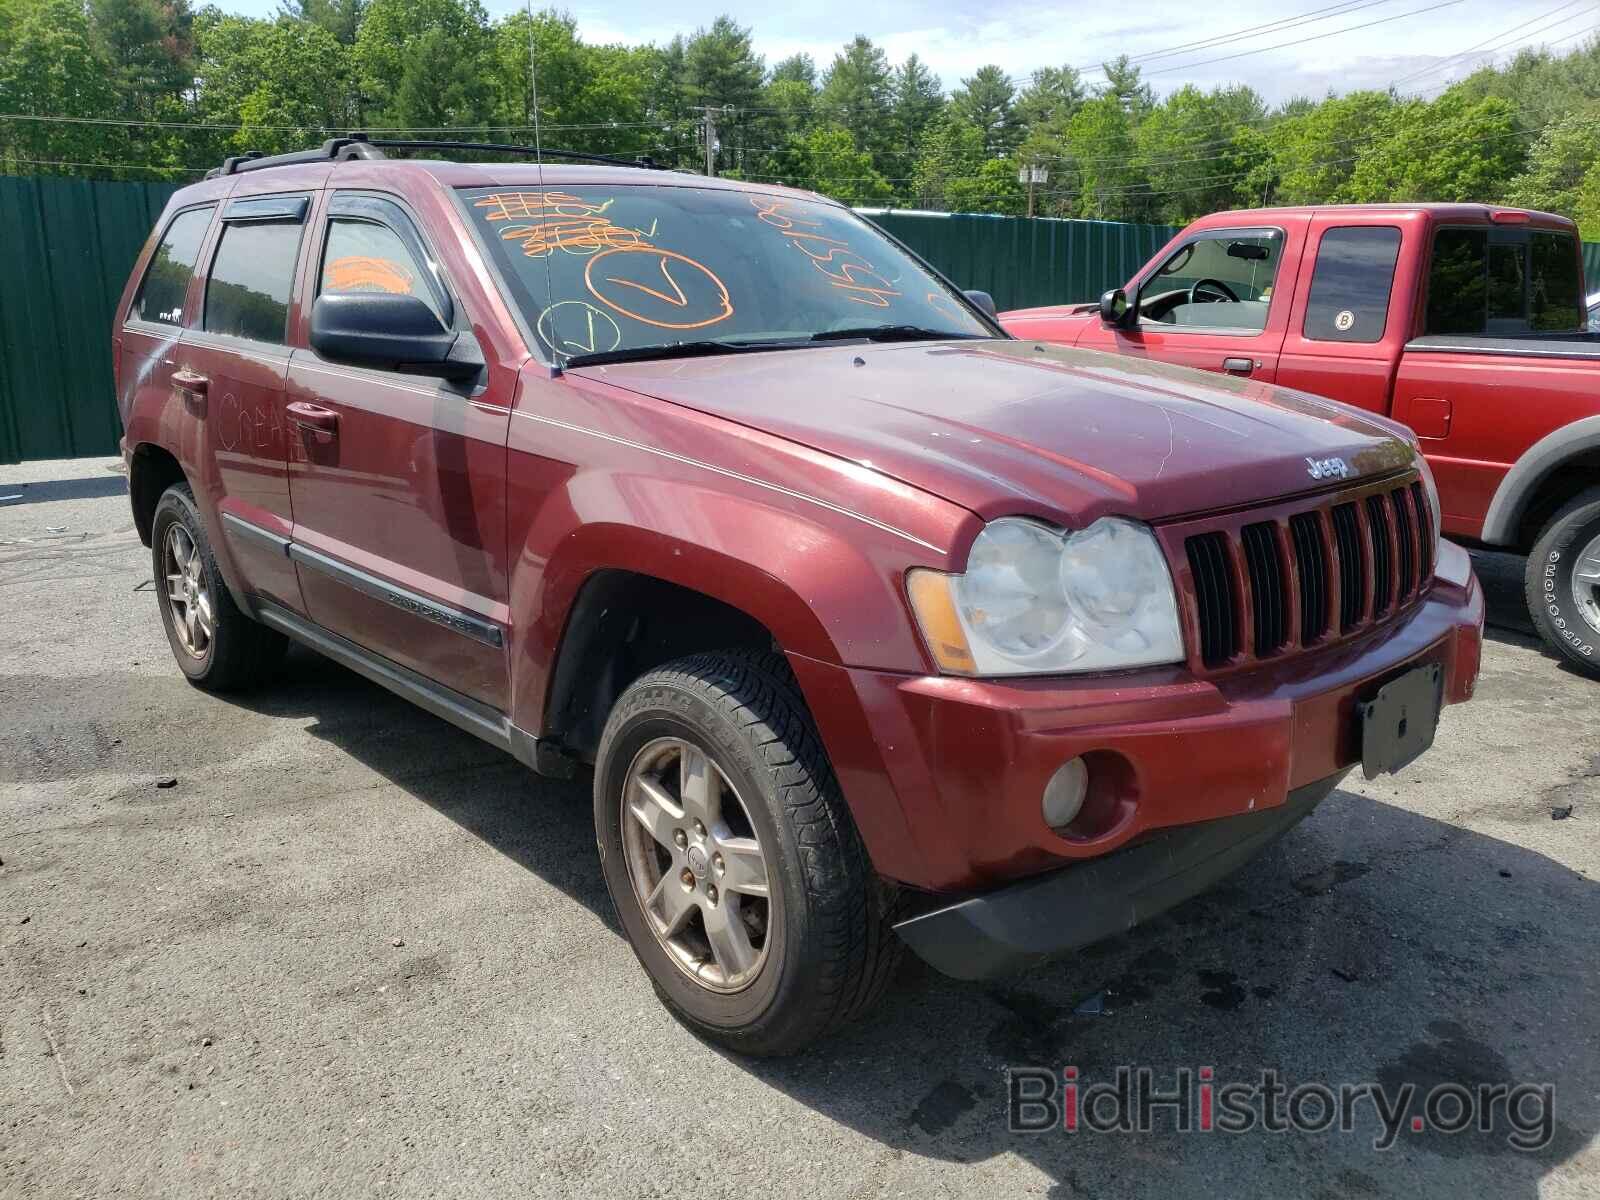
x=1399, y=723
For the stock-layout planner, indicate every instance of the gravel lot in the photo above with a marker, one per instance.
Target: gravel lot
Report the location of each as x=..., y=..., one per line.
x=352, y=951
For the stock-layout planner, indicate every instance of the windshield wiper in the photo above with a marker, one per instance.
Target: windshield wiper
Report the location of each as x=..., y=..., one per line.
x=698, y=349
x=892, y=333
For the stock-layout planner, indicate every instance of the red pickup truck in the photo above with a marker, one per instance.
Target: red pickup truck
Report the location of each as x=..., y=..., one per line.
x=1465, y=322
x=876, y=626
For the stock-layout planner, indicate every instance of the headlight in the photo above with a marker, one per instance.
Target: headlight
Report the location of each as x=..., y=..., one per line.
x=1433, y=503
x=1036, y=600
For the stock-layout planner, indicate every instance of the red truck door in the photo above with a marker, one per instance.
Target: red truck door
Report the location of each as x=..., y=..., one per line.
x=1351, y=317
x=399, y=480
x=1218, y=301
x=231, y=367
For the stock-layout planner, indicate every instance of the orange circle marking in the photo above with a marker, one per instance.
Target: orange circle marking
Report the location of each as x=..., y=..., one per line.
x=675, y=296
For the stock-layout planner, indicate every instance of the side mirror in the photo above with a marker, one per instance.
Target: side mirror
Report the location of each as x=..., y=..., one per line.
x=1114, y=307
x=984, y=301
x=379, y=329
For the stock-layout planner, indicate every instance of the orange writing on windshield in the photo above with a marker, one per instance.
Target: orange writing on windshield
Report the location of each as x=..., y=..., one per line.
x=557, y=221
x=670, y=286
x=852, y=272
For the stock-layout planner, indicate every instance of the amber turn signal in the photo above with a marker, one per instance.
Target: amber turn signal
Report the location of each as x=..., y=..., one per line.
x=935, y=610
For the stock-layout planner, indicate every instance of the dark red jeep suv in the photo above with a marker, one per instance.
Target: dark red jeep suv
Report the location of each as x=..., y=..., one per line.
x=877, y=626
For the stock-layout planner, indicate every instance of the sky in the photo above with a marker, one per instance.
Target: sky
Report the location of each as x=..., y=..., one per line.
x=1421, y=44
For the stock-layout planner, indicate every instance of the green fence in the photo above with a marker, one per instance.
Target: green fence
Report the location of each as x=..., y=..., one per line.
x=66, y=246
x=1023, y=262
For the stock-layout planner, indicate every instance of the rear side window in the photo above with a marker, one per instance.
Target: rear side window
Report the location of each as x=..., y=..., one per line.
x=1504, y=282
x=252, y=276
x=1351, y=283
x=166, y=281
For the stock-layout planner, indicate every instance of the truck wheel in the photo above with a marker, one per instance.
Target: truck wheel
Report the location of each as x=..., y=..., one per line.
x=736, y=871
x=1563, y=582
x=216, y=645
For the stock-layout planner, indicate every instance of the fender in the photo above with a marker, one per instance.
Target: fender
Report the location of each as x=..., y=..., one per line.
x=827, y=600
x=820, y=594
x=1517, y=489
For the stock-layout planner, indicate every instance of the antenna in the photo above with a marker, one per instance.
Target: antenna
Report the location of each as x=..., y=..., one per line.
x=538, y=161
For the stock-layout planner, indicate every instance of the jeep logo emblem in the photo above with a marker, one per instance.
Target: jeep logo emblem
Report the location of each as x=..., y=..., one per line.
x=1328, y=468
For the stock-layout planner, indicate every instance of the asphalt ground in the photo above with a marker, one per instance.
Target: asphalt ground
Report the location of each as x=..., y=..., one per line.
x=352, y=951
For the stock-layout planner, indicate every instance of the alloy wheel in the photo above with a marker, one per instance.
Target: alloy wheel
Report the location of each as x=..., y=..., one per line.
x=697, y=866
x=1586, y=584
x=188, y=597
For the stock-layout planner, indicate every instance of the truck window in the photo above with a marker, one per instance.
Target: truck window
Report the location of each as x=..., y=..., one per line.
x=364, y=256
x=1219, y=281
x=1350, y=286
x=166, y=282
x=251, y=277
x=1504, y=282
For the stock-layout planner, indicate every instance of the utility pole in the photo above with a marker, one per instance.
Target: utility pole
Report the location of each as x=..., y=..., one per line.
x=710, y=133
x=1031, y=175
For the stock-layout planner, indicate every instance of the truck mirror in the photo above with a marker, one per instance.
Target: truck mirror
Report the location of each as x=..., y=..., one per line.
x=1114, y=307
x=983, y=300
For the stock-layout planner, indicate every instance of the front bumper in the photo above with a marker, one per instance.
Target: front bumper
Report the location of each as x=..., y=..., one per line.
x=1065, y=910
x=945, y=775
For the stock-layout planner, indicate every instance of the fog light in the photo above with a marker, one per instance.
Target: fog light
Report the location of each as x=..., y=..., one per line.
x=1063, y=795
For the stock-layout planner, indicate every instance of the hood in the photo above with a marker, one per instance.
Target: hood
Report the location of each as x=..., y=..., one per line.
x=1005, y=426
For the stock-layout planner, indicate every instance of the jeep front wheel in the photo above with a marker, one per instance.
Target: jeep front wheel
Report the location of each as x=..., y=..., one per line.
x=1563, y=582
x=736, y=871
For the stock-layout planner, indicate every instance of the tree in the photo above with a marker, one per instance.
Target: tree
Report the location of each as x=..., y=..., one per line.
x=986, y=100
x=1125, y=83
x=856, y=95
x=149, y=48
x=1455, y=148
x=721, y=68
x=402, y=42
x=287, y=82
x=797, y=68
x=1314, y=148
x=1053, y=94
x=49, y=64
x=826, y=160
x=342, y=18
x=1101, y=152
x=950, y=150
x=1192, y=152
x=1559, y=164
x=993, y=189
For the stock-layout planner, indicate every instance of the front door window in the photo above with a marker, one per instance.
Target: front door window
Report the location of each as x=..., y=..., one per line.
x=1218, y=282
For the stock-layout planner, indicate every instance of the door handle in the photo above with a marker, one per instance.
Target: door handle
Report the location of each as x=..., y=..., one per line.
x=187, y=381
x=1238, y=366
x=313, y=416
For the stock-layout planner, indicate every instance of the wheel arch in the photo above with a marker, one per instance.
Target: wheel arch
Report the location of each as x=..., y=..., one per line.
x=1553, y=470
x=152, y=469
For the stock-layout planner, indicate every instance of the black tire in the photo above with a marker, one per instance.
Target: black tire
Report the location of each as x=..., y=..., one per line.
x=1562, y=622
x=830, y=947
x=240, y=653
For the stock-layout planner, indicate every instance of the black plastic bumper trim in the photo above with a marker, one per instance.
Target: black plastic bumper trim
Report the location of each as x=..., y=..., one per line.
x=1048, y=915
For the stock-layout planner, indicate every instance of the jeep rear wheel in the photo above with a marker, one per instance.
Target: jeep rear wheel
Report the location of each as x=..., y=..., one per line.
x=736, y=871
x=1563, y=582
x=216, y=645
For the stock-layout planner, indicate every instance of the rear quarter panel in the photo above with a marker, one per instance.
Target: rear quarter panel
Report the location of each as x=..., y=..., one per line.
x=1499, y=406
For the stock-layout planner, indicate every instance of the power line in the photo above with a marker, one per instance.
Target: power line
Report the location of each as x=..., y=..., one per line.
x=1416, y=12
x=1241, y=35
x=1448, y=59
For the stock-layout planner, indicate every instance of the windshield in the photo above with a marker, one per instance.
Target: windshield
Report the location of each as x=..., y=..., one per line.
x=608, y=270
